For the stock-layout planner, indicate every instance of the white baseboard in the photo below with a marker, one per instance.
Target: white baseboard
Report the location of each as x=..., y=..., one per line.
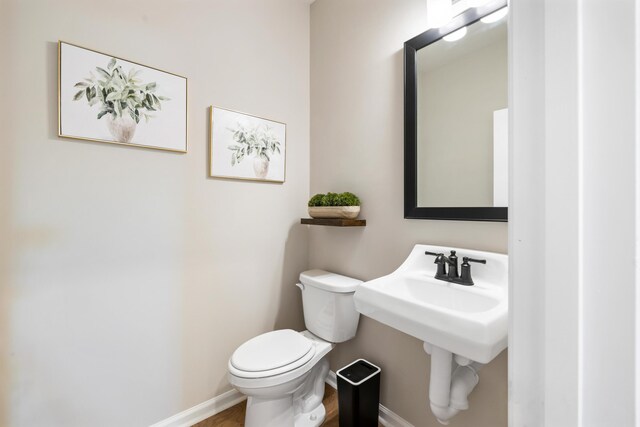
x=386, y=417
x=332, y=380
x=203, y=411
x=226, y=400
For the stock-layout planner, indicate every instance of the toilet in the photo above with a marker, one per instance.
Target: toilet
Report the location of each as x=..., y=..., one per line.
x=283, y=372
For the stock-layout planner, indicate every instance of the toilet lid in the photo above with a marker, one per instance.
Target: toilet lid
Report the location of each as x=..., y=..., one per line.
x=273, y=350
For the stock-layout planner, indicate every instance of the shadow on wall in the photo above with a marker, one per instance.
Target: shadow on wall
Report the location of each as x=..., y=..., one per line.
x=295, y=259
x=287, y=300
x=6, y=242
x=6, y=232
x=52, y=88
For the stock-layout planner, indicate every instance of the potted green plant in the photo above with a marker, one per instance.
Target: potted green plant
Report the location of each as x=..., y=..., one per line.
x=123, y=98
x=334, y=205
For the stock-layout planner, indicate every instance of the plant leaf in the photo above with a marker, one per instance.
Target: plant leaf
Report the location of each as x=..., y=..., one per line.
x=112, y=96
x=151, y=86
x=81, y=84
x=78, y=95
x=133, y=73
x=112, y=63
x=102, y=113
x=156, y=101
x=103, y=72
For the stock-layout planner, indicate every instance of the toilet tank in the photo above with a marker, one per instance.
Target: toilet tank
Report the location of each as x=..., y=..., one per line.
x=327, y=301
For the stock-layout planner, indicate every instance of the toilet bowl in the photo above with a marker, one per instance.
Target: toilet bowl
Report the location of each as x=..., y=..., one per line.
x=283, y=372
x=272, y=391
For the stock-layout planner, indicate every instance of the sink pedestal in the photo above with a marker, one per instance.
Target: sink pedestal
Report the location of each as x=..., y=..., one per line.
x=453, y=378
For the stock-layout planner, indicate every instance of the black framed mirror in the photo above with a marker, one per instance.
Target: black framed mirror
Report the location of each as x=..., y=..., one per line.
x=455, y=118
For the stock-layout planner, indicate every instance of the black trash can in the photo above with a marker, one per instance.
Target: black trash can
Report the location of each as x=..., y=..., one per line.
x=358, y=394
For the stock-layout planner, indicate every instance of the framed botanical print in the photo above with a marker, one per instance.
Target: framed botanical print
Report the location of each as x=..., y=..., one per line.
x=244, y=146
x=105, y=98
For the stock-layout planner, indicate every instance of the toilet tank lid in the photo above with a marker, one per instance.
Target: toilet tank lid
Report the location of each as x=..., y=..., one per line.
x=327, y=281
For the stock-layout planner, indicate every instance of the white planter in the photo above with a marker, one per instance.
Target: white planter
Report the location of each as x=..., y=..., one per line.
x=122, y=129
x=346, y=212
x=260, y=167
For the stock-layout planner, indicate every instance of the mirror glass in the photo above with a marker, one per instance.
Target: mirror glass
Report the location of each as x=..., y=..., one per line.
x=461, y=120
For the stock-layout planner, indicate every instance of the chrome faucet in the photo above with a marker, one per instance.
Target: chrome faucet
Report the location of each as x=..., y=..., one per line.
x=451, y=261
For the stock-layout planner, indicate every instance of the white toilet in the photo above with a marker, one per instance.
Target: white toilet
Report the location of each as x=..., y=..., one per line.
x=283, y=372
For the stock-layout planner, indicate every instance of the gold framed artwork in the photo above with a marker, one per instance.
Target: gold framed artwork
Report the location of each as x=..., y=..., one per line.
x=106, y=98
x=243, y=146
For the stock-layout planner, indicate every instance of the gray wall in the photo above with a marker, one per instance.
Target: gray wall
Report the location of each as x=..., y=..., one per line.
x=128, y=276
x=357, y=145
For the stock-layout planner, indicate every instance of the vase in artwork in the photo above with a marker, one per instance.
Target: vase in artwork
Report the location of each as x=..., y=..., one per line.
x=121, y=128
x=261, y=167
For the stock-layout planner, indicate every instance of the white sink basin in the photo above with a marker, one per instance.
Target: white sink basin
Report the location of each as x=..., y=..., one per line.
x=470, y=321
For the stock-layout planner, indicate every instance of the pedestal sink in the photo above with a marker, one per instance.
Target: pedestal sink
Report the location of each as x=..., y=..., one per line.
x=461, y=325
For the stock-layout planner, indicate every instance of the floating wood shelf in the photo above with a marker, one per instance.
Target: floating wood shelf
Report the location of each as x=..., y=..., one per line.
x=334, y=222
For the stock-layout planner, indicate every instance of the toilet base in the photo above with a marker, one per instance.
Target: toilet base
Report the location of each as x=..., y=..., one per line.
x=292, y=399
x=300, y=405
x=311, y=419
x=269, y=412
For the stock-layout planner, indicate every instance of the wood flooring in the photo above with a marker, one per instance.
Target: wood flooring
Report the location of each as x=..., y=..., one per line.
x=234, y=416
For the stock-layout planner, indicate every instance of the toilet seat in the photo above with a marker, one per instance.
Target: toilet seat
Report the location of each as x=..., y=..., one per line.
x=270, y=354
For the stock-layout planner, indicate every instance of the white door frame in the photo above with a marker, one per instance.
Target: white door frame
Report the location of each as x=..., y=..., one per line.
x=573, y=214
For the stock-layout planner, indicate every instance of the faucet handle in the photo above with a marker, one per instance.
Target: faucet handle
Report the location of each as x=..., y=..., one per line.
x=439, y=257
x=467, y=260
